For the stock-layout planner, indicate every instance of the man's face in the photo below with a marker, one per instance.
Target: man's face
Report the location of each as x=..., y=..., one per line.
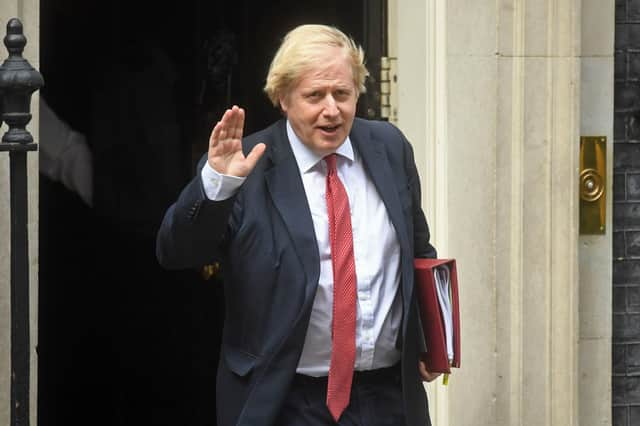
x=322, y=105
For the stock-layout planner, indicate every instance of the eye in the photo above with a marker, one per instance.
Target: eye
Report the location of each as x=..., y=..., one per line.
x=342, y=94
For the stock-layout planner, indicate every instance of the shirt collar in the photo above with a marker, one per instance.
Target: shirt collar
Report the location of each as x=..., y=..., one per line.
x=306, y=158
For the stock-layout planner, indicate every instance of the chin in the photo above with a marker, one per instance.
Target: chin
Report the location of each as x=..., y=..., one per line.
x=329, y=147
x=332, y=142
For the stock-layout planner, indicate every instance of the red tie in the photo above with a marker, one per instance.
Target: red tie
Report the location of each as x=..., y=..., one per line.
x=343, y=327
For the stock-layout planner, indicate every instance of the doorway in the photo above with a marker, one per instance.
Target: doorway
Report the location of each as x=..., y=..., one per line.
x=121, y=341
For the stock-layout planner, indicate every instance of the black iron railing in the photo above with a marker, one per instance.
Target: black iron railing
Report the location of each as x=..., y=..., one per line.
x=18, y=81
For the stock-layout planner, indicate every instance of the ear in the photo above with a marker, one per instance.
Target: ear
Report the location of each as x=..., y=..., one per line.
x=283, y=103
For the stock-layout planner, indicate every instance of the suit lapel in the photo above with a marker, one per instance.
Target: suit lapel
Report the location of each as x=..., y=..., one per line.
x=377, y=166
x=287, y=192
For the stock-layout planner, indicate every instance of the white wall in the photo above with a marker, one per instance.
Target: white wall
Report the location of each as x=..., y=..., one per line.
x=596, y=119
x=492, y=96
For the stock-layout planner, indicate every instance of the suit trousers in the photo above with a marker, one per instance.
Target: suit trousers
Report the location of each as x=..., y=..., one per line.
x=376, y=400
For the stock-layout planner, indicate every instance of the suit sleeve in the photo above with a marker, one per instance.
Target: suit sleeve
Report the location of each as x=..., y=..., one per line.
x=194, y=228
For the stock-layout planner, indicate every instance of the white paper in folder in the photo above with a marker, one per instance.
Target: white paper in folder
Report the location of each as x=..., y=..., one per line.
x=442, y=278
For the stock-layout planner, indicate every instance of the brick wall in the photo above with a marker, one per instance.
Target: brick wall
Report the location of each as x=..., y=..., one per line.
x=626, y=217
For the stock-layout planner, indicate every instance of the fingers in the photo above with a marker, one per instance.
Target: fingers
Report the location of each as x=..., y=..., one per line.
x=229, y=127
x=233, y=122
x=425, y=374
x=215, y=135
x=254, y=156
x=238, y=123
x=225, y=145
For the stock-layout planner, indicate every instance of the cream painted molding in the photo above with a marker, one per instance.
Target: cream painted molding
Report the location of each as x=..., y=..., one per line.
x=437, y=189
x=516, y=359
x=435, y=192
x=537, y=164
x=417, y=37
x=564, y=104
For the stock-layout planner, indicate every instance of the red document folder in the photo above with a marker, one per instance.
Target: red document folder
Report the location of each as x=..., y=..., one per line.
x=431, y=314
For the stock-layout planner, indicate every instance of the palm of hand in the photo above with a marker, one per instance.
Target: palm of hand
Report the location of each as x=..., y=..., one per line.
x=225, y=146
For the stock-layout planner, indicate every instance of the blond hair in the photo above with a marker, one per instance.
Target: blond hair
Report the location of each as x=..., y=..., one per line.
x=305, y=47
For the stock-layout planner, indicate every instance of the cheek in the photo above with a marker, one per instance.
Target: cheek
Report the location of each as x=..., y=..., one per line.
x=309, y=117
x=348, y=109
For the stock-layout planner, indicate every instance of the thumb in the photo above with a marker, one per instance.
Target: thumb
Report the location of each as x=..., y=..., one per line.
x=255, y=154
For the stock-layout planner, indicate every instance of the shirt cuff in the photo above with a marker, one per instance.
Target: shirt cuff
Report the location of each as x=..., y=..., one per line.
x=217, y=186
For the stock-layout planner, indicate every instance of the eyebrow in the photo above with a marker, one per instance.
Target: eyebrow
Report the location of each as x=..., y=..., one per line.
x=323, y=87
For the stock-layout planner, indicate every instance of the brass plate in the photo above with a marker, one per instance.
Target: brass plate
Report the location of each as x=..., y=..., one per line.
x=592, y=185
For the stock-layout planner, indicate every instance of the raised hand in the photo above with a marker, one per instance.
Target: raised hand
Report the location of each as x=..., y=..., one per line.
x=225, y=146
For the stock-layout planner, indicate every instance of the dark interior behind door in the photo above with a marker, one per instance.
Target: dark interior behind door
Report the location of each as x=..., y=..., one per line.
x=121, y=341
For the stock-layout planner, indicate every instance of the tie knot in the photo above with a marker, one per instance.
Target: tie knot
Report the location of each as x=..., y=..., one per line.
x=331, y=163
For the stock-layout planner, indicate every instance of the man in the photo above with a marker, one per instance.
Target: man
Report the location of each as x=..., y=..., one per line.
x=316, y=221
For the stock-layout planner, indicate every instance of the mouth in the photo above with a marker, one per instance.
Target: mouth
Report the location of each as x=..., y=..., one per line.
x=329, y=129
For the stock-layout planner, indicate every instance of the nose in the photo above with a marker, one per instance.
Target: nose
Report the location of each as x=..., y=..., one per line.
x=330, y=106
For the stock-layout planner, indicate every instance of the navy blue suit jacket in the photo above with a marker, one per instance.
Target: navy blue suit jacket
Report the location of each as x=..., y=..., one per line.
x=265, y=241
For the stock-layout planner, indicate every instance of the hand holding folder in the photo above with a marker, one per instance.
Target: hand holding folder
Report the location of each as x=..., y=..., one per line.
x=437, y=293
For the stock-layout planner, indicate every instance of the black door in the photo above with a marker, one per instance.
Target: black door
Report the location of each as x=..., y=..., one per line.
x=121, y=341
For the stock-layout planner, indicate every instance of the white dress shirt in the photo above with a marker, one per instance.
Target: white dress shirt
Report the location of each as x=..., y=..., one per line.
x=376, y=251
